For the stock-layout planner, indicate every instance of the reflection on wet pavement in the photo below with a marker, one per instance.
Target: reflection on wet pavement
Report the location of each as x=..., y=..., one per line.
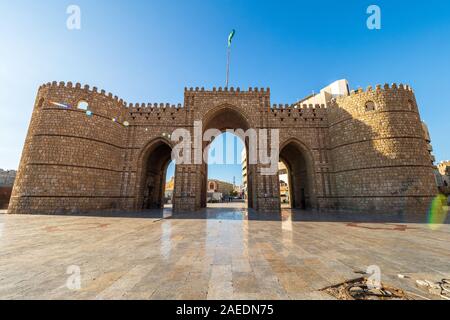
x=217, y=253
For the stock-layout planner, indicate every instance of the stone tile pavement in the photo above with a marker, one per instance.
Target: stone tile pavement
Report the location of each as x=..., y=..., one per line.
x=227, y=253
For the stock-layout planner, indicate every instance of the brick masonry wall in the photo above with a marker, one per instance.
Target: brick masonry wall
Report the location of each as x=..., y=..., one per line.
x=352, y=158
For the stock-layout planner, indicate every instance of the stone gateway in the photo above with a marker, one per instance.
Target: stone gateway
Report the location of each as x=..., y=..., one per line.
x=88, y=151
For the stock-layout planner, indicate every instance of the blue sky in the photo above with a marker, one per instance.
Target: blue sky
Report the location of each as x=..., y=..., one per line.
x=226, y=148
x=148, y=51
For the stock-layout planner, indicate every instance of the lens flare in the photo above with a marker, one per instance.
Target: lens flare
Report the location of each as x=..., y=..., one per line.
x=437, y=212
x=60, y=105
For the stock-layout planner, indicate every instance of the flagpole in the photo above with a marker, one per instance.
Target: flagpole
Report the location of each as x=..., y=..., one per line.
x=228, y=65
x=230, y=38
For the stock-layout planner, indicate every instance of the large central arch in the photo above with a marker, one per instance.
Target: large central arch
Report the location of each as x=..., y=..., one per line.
x=223, y=118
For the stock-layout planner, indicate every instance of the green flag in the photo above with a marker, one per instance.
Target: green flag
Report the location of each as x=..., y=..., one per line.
x=230, y=37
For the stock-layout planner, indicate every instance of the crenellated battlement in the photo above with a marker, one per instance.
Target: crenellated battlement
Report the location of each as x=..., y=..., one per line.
x=297, y=106
x=153, y=107
x=147, y=107
x=386, y=88
x=155, y=112
x=296, y=112
x=228, y=90
x=354, y=102
x=384, y=98
x=82, y=88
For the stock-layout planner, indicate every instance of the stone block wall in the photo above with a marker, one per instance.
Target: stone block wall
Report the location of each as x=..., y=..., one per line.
x=379, y=152
x=365, y=151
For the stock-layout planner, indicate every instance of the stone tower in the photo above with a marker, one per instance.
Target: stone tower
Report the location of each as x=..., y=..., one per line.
x=380, y=154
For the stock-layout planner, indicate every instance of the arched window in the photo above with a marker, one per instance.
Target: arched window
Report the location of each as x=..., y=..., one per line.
x=83, y=105
x=411, y=105
x=370, y=106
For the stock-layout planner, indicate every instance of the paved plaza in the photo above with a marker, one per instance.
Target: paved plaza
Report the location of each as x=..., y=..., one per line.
x=218, y=253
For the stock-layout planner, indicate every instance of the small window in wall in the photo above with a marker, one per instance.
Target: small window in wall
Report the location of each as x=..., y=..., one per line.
x=370, y=106
x=410, y=105
x=83, y=105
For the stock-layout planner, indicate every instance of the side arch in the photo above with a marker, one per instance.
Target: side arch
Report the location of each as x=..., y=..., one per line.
x=299, y=160
x=152, y=163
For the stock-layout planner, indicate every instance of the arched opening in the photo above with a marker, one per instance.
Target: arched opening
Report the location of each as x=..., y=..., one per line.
x=152, y=185
x=83, y=105
x=170, y=185
x=370, y=106
x=297, y=175
x=227, y=176
x=225, y=172
x=284, y=179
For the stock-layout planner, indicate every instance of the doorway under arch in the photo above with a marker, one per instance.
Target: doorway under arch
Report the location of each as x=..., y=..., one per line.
x=285, y=182
x=299, y=175
x=152, y=178
x=226, y=118
x=226, y=172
